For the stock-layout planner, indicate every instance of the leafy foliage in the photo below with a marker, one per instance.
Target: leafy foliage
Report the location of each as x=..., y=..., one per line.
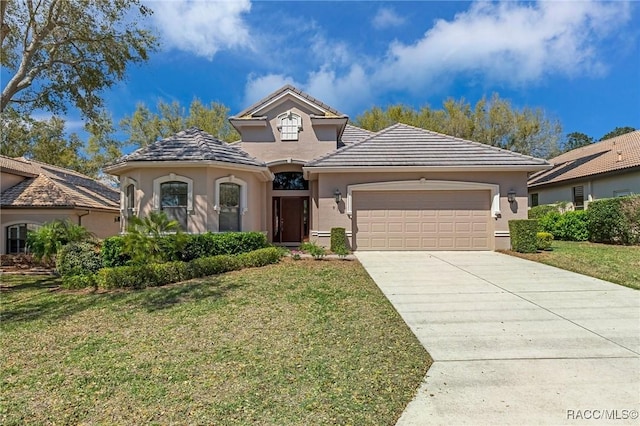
x=46, y=241
x=59, y=52
x=577, y=140
x=614, y=220
x=113, y=252
x=524, y=235
x=144, y=127
x=314, y=250
x=537, y=212
x=339, y=241
x=79, y=258
x=544, y=240
x=147, y=238
x=491, y=121
x=617, y=132
x=568, y=226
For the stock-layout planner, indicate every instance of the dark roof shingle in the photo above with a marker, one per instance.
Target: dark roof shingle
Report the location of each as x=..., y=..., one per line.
x=191, y=144
x=404, y=145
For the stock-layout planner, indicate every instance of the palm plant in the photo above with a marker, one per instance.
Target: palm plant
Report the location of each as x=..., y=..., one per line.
x=45, y=242
x=154, y=238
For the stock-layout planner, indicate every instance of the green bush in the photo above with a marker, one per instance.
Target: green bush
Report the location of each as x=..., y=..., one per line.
x=45, y=242
x=74, y=282
x=339, y=244
x=549, y=222
x=113, y=252
x=314, y=250
x=572, y=226
x=157, y=274
x=539, y=211
x=523, y=235
x=544, y=240
x=210, y=244
x=614, y=220
x=79, y=258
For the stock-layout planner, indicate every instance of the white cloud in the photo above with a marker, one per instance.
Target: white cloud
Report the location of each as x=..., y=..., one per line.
x=202, y=27
x=386, y=18
x=507, y=42
x=259, y=87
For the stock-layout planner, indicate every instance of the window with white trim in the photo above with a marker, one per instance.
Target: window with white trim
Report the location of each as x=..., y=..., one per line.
x=129, y=200
x=173, y=194
x=230, y=203
x=17, y=237
x=289, y=125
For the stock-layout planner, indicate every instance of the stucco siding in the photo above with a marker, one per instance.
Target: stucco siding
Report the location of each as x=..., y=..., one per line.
x=7, y=180
x=329, y=214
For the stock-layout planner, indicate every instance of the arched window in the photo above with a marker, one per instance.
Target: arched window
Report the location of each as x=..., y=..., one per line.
x=289, y=125
x=230, y=203
x=173, y=201
x=17, y=237
x=130, y=200
x=290, y=181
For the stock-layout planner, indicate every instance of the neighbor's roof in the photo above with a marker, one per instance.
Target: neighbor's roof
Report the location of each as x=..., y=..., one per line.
x=404, y=145
x=248, y=112
x=51, y=186
x=611, y=155
x=354, y=134
x=191, y=144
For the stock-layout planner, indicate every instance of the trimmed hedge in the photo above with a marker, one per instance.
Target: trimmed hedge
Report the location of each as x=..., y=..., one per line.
x=79, y=258
x=568, y=226
x=523, y=235
x=196, y=246
x=614, y=220
x=339, y=241
x=158, y=274
x=539, y=211
x=544, y=240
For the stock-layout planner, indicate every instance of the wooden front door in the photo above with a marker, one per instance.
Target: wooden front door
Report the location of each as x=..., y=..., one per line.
x=289, y=219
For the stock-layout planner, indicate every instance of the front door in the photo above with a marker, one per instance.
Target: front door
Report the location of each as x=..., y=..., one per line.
x=290, y=219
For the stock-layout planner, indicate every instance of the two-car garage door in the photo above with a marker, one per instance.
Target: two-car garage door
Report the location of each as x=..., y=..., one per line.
x=422, y=220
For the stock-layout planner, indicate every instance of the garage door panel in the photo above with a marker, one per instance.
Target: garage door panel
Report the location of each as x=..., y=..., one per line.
x=422, y=220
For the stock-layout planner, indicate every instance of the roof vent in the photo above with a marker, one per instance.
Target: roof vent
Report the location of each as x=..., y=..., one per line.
x=619, y=156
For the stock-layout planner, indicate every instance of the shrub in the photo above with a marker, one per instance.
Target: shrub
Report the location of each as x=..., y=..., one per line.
x=260, y=257
x=339, y=241
x=539, y=211
x=614, y=220
x=544, y=240
x=572, y=226
x=523, y=235
x=549, y=222
x=210, y=244
x=79, y=258
x=46, y=241
x=113, y=252
x=123, y=277
x=73, y=282
x=314, y=250
x=147, y=241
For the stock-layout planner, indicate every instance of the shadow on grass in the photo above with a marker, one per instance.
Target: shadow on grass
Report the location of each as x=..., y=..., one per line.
x=49, y=305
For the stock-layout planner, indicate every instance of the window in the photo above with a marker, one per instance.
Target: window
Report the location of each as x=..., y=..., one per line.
x=173, y=201
x=290, y=181
x=289, y=125
x=17, y=237
x=230, y=203
x=621, y=193
x=578, y=197
x=130, y=200
x=534, y=200
x=229, y=207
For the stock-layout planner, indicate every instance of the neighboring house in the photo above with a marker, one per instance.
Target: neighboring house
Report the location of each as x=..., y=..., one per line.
x=606, y=169
x=300, y=170
x=33, y=193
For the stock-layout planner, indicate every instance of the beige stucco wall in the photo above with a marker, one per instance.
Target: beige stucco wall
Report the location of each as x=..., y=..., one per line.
x=313, y=141
x=203, y=217
x=7, y=180
x=102, y=224
x=327, y=214
x=594, y=189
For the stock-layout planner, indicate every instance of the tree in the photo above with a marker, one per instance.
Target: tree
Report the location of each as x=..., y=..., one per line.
x=144, y=127
x=617, y=132
x=577, y=140
x=66, y=51
x=492, y=121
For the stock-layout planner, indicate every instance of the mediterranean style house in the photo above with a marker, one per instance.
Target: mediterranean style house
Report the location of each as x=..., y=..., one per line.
x=300, y=170
x=33, y=193
x=606, y=169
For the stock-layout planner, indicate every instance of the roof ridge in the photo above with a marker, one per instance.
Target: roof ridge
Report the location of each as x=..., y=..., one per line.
x=63, y=191
x=282, y=90
x=346, y=147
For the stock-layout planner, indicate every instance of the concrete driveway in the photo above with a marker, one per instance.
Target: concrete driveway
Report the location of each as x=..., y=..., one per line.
x=514, y=341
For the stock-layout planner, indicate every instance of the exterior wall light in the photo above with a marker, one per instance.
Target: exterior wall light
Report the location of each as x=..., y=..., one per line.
x=511, y=196
x=337, y=195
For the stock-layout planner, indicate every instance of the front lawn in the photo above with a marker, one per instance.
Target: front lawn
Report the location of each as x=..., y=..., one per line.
x=618, y=264
x=307, y=342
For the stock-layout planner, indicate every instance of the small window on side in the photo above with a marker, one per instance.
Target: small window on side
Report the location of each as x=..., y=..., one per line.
x=534, y=200
x=578, y=197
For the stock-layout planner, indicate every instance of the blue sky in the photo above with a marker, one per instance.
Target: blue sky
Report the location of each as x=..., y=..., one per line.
x=578, y=60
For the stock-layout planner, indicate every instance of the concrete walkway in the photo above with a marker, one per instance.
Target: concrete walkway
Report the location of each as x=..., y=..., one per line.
x=514, y=341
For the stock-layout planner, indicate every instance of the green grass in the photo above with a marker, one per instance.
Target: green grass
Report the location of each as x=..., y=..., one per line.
x=618, y=264
x=302, y=342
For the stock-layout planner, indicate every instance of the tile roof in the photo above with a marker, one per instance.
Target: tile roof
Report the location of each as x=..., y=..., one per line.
x=615, y=154
x=354, y=134
x=404, y=145
x=52, y=186
x=191, y=144
x=247, y=112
